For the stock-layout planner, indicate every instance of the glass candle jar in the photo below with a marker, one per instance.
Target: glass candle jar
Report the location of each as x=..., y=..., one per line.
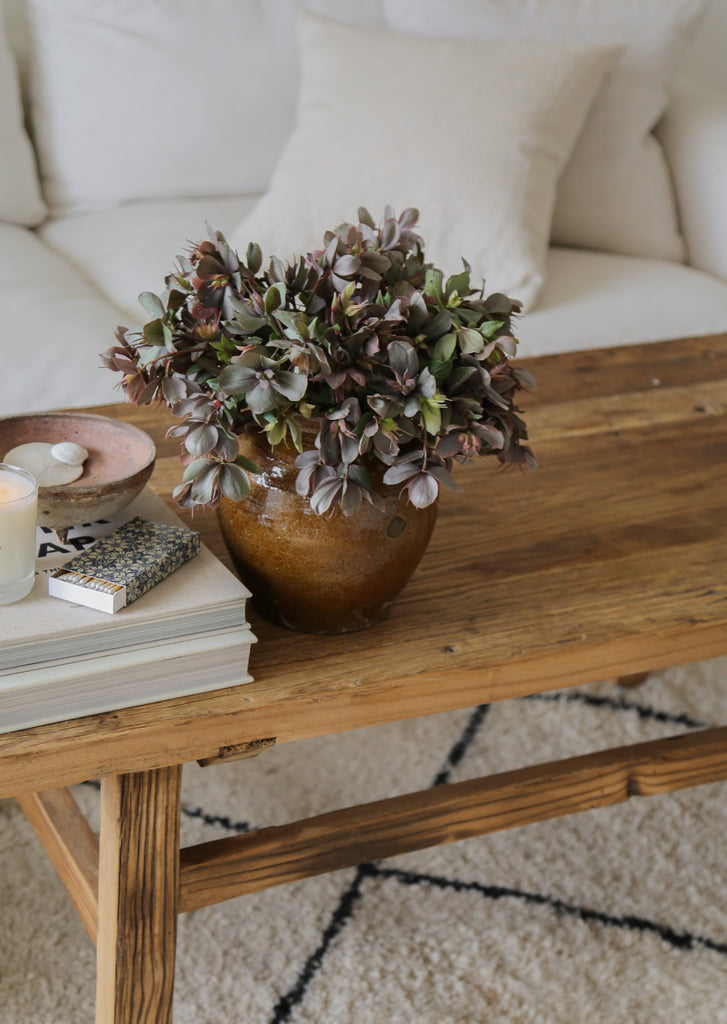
x=18, y=512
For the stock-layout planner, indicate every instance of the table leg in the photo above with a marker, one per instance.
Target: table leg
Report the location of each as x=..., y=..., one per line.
x=138, y=887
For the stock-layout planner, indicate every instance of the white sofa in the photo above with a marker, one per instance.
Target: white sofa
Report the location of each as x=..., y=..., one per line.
x=88, y=222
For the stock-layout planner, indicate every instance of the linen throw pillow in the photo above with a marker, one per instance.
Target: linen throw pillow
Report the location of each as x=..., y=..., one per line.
x=474, y=135
x=140, y=99
x=20, y=198
x=615, y=193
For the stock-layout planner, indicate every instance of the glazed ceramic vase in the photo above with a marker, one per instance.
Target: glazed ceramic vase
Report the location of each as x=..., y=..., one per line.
x=319, y=574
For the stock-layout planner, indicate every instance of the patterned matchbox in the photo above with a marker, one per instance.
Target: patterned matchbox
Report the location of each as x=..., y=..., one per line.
x=122, y=566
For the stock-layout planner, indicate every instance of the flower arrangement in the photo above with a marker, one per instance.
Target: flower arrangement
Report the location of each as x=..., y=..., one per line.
x=394, y=366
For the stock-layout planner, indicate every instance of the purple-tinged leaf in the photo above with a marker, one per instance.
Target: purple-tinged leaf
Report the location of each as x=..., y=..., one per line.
x=205, y=487
x=423, y=490
x=324, y=495
x=234, y=482
x=399, y=472
x=237, y=379
x=445, y=478
x=261, y=398
x=201, y=440
x=346, y=266
x=525, y=377
x=291, y=385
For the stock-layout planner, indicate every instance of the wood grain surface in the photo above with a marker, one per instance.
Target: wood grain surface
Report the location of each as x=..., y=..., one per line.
x=138, y=887
x=236, y=865
x=609, y=560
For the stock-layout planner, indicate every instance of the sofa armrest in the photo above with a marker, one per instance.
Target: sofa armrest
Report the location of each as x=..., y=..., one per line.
x=694, y=136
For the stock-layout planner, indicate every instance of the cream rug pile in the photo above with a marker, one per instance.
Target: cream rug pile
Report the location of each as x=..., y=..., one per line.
x=616, y=916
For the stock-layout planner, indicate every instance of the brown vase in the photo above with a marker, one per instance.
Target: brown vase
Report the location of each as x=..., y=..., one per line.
x=319, y=574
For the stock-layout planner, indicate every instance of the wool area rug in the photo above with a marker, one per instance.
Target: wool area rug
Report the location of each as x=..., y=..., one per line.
x=614, y=916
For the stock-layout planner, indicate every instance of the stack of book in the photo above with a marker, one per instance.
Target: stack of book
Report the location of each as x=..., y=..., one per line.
x=60, y=659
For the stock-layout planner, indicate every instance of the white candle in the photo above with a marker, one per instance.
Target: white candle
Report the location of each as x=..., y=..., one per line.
x=18, y=511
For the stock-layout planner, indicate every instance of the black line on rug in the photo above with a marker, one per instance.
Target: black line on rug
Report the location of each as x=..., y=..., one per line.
x=347, y=903
x=340, y=917
x=644, y=711
x=459, y=749
x=216, y=819
x=680, y=940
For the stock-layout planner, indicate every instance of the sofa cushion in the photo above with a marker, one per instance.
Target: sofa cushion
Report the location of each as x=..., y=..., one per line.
x=135, y=99
x=694, y=136
x=125, y=250
x=54, y=327
x=615, y=193
x=20, y=198
x=595, y=300
x=485, y=188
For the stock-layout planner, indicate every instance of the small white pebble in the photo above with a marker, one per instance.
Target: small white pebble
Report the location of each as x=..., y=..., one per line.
x=36, y=458
x=655, y=382
x=69, y=452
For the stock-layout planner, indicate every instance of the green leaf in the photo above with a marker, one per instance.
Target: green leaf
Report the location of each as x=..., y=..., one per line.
x=470, y=340
x=275, y=431
x=149, y=355
x=286, y=316
x=360, y=475
x=433, y=283
x=274, y=297
x=432, y=416
x=444, y=349
x=440, y=370
x=254, y=257
x=154, y=334
x=152, y=304
x=249, y=322
x=194, y=469
x=234, y=482
x=247, y=464
x=490, y=328
x=168, y=337
x=459, y=282
x=365, y=217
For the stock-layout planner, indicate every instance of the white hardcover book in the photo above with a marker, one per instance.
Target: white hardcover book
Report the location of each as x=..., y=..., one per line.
x=60, y=659
x=202, y=595
x=73, y=688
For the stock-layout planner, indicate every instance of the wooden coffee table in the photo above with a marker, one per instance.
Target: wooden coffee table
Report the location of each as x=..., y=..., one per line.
x=609, y=561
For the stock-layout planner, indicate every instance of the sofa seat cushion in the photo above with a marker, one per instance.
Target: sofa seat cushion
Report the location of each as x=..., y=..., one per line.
x=54, y=326
x=125, y=250
x=594, y=300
